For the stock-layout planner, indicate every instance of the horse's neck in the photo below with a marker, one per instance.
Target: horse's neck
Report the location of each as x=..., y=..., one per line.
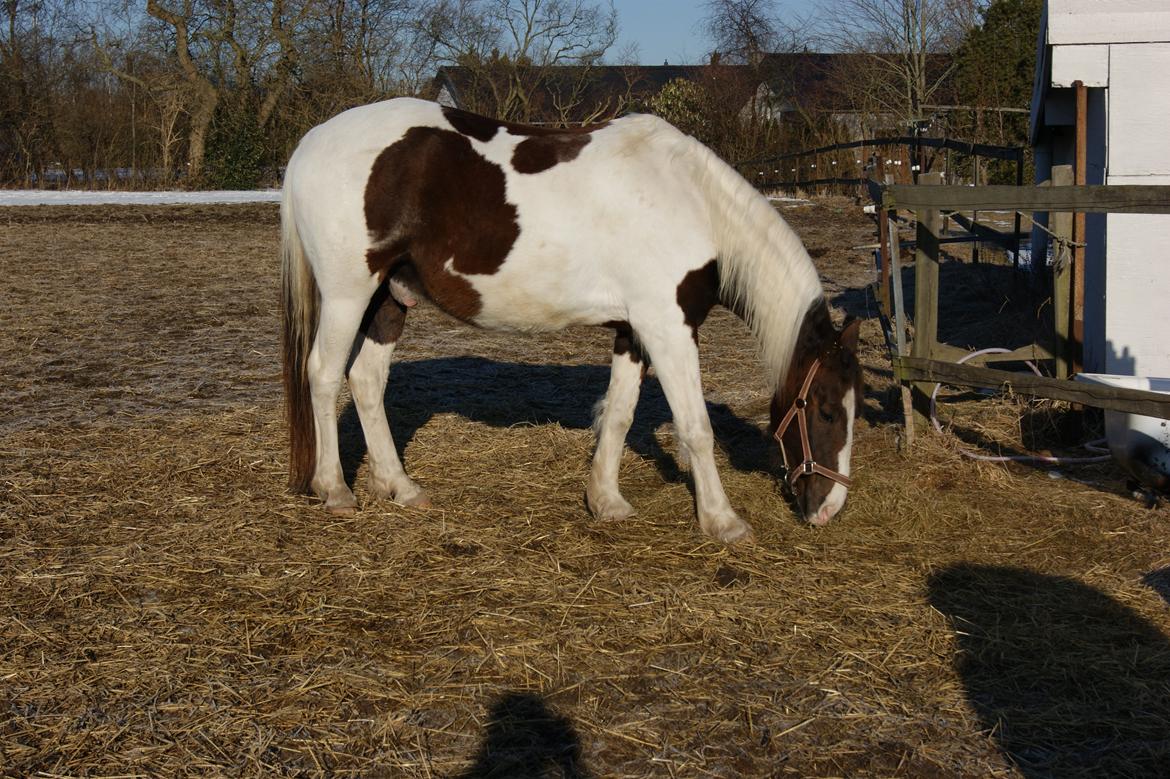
x=765, y=271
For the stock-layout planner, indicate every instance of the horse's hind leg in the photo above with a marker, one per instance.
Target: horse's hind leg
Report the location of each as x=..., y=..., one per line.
x=676, y=362
x=368, y=372
x=615, y=413
x=338, y=325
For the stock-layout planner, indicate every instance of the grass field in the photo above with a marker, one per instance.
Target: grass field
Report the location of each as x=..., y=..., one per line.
x=167, y=609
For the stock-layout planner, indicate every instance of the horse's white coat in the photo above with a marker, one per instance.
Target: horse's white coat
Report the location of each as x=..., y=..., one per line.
x=607, y=236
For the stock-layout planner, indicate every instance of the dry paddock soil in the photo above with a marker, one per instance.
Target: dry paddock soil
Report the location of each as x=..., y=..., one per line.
x=167, y=608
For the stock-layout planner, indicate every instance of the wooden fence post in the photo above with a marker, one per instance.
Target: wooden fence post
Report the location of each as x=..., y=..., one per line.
x=1078, y=323
x=1016, y=220
x=974, y=214
x=926, y=262
x=885, y=286
x=1061, y=226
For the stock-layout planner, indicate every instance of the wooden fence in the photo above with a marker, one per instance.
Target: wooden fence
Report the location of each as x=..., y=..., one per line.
x=860, y=163
x=885, y=178
x=925, y=362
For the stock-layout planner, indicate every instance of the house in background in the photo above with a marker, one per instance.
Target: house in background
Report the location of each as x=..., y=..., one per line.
x=1120, y=50
x=803, y=88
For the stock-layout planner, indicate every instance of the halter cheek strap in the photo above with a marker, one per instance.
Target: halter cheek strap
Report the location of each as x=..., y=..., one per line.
x=798, y=410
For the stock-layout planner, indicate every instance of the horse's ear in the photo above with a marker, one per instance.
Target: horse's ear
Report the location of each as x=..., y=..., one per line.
x=850, y=333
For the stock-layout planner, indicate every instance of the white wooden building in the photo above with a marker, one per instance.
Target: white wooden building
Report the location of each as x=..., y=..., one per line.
x=1120, y=50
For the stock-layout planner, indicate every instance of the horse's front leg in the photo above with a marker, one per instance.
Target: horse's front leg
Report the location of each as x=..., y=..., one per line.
x=614, y=415
x=676, y=362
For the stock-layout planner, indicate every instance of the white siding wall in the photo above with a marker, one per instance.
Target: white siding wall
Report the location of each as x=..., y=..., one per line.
x=1137, y=305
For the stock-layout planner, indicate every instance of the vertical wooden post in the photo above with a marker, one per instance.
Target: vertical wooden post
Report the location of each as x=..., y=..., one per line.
x=887, y=273
x=926, y=259
x=895, y=251
x=946, y=220
x=1016, y=221
x=975, y=214
x=1061, y=225
x=1078, y=326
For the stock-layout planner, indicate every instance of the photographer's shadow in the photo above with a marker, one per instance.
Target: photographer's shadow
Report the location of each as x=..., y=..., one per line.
x=524, y=739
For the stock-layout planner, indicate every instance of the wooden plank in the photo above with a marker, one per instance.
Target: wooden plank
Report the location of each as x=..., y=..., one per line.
x=1015, y=248
x=895, y=253
x=886, y=270
x=983, y=232
x=1134, y=199
x=1032, y=352
x=1150, y=404
x=925, y=296
x=1078, y=283
x=975, y=214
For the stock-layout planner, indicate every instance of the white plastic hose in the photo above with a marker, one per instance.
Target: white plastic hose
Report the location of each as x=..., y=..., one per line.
x=1092, y=446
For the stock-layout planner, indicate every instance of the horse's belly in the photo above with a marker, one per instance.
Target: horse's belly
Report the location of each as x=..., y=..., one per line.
x=533, y=295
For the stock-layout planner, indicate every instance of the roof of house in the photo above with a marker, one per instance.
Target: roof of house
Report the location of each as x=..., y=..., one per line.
x=814, y=81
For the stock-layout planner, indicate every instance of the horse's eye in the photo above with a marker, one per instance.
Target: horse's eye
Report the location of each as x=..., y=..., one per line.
x=826, y=416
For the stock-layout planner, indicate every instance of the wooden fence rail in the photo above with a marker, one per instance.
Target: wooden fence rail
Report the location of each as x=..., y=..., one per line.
x=1135, y=199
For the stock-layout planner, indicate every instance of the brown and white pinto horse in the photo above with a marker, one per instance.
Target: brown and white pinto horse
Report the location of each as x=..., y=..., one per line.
x=630, y=225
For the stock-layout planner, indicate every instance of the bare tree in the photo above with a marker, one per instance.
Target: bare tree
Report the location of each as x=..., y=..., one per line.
x=515, y=49
x=223, y=54
x=742, y=31
x=29, y=45
x=901, y=41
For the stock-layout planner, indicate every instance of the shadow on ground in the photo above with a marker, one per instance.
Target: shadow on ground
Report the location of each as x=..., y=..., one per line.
x=504, y=394
x=524, y=739
x=1068, y=681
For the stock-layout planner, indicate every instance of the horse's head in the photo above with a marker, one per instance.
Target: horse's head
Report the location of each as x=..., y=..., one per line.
x=812, y=419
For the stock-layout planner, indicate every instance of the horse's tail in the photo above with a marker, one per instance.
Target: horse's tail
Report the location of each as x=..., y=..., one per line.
x=299, y=306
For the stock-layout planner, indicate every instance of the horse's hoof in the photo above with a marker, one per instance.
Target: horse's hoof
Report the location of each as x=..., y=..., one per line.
x=340, y=503
x=342, y=508
x=738, y=535
x=418, y=500
x=609, y=507
x=730, y=531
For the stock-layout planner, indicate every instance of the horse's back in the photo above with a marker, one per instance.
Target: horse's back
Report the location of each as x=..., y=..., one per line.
x=505, y=225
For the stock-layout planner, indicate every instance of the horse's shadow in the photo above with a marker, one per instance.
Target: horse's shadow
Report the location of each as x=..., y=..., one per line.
x=506, y=394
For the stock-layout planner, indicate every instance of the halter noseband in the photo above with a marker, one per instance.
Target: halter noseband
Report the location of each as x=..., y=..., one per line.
x=809, y=466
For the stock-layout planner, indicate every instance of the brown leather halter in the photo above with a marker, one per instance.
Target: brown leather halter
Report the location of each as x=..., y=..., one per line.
x=797, y=410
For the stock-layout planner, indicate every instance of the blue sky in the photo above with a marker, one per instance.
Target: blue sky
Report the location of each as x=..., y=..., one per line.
x=670, y=29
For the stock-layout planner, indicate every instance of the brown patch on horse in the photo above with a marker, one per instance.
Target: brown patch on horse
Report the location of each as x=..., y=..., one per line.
x=536, y=155
x=698, y=293
x=432, y=198
x=385, y=316
x=623, y=341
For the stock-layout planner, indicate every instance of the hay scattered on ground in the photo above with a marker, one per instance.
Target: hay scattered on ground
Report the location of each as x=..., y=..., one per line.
x=168, y=609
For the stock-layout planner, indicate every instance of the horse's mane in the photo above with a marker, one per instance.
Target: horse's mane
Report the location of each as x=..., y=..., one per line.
x=765, y=272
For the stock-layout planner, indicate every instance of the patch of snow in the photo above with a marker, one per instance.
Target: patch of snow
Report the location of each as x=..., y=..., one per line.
x=49, y=197
x=789, y=201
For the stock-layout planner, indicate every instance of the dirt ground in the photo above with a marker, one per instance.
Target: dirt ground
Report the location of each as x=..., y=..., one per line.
x=167, y=609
